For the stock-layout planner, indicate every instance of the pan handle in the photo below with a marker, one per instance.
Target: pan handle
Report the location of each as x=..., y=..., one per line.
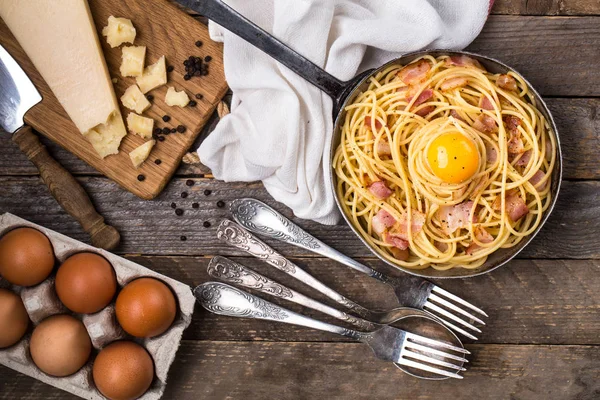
x=222, y=14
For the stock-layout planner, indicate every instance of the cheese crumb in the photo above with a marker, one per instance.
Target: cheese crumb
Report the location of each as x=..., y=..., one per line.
x=118, y=31
x=140, y=125
x=106, y=138
x=134, y=99
x=141, y=153
x=133, y=60
x=175, y=98
x=154, y=75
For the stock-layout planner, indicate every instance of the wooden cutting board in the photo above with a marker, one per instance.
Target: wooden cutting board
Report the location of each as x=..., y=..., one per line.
x=165, y=30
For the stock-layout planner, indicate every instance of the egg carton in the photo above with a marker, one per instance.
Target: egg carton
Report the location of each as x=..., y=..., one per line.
x=41, y=301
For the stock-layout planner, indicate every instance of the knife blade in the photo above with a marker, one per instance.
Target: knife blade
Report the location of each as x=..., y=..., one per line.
x=17, y=96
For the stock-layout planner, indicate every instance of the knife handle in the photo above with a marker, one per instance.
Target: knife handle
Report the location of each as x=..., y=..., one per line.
x=66, y=190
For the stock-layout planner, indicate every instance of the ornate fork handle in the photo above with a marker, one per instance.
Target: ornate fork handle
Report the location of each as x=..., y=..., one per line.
x=234, y=235
x=232, y=272
x=259, y=218
x=223, y=299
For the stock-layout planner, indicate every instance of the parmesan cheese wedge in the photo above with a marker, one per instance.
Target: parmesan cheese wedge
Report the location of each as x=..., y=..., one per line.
x=141, y=153
x=154, y=75
x=60, y=38
x=140, y=125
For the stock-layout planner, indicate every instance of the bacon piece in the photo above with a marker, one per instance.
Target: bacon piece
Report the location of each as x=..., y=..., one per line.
x=515, y=144
x=515, y=206
x=507, y=82
x=395, y=241
x=486, y=103
x=368, y=123
x=486, y=124
x=423, y=97
x=380, y=190
x=524, y=159
x=491, y=153
x=383, y=148
x=454, y=113
x=511, y=122
x=400, y=254
x=415, y=72
x=456, y=216
x=482, y=236
x=454, y=83
x=536, y=181
x=416, y=225
x=463, y=61
x=382, y=221
x=425, y=111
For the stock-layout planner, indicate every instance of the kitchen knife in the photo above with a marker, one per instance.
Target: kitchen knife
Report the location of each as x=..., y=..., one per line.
x=17, y=96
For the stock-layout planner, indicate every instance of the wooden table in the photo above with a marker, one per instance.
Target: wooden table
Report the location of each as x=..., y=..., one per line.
x=543, y=336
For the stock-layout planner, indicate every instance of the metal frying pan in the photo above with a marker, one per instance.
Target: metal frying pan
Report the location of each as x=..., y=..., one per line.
x=344, y=93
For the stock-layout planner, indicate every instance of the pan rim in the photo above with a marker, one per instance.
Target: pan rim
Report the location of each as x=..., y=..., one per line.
x=511, y=253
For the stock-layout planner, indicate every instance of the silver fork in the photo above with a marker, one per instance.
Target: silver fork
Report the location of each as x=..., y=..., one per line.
x=234, y=235
x=411, y=291
x=388, y=343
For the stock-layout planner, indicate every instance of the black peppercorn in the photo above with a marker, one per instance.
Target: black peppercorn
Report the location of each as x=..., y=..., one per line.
x=184, y=195
x=207, y=58
x=170, y=68
x=161, y=139
x=187, y=77
x=199, y=43
x=183, y=238
x=157, y=161
x=166, y=118
x=173, y=205
x=166, y=131
x=149, y=97
x=186, y=63
x=195, y=205
x=173, y=130
x=207, y=192
x=179, y=212
x=141, y=177
x=192, y=103
x=199, y=96
x=206, y=224
x=220, y=204
x=157, y=131
x=181, y=129
x=189, y=183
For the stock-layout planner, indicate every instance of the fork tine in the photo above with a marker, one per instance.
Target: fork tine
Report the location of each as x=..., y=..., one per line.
x=431, y=342
x=416, y=346
x=455, y=328
x=431, y=360
x=425, y=367
x=458, y=300
x=450, y=315
x=438, y=299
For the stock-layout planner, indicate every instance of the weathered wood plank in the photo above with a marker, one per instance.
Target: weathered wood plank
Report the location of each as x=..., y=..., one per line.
x=528, y=301
x=219, y=370
x=577, y=120
x=152, y=227
x=555, y=54
x=546, y=7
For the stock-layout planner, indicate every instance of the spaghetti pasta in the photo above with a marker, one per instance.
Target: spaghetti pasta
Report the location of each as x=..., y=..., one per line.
x=441, y=163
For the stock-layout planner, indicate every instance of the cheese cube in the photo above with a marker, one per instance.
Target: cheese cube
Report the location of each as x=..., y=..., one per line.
x=118, y=31
x=175, y=98
x=133, y=60
x=135, y=100
x=106, y=138
x=140, y=125
x=154, y=75
x=141, y=153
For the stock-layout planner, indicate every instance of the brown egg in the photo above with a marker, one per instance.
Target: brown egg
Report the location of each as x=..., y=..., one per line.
x=86, y=283
x=123, y=371
x=146, y=307
x=26, y=257
x=60, y=345
x=13, y=318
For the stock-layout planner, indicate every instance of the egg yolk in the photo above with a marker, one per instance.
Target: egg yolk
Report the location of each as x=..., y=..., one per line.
x=453, y=157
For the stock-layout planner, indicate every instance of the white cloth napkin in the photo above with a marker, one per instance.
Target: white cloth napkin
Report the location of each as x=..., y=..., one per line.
x=280, y=126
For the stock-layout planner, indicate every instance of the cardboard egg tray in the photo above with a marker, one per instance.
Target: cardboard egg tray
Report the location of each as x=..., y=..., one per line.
x=41, y=301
